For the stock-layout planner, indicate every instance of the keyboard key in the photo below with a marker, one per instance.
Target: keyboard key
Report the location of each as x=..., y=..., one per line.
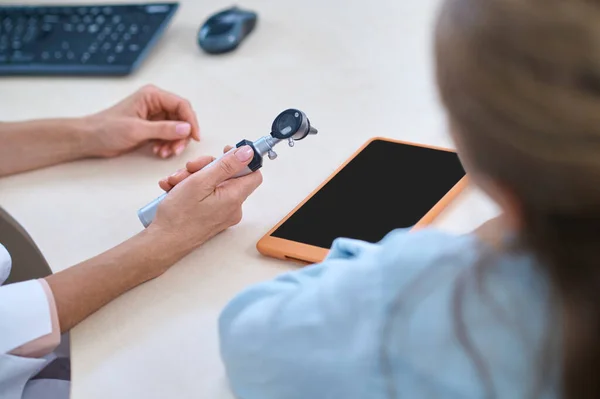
x=70, y=55
x=106, y=46
x=134, y=29
x=65, y=45
x=120, y=27
x=45, y=55
x=157, y=9
x=30, y=34
x=85, y=57
x=58, y=55
x=134, y=47
x=107, y=10
x=116, y=19
x=111, y=59
x=21, y=57
x=119, y=48
x=114, y=36
x=80, y=28
x=95, y=10
x=19, y=29
x=100, y=19
x=93, y=28
x=126, y=36
x=68, y=27
x=51, y=19
x=87, y=19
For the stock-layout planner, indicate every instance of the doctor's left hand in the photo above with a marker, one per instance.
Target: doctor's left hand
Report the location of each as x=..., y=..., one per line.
x=150, y=115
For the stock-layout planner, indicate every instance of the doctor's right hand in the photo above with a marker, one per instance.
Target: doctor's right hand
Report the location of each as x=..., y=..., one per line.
x=206, y=202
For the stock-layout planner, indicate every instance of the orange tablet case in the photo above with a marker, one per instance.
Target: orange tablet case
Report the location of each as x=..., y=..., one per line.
x=291, y=250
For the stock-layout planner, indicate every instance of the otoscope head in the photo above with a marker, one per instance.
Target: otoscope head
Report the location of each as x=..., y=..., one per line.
x=292, y=124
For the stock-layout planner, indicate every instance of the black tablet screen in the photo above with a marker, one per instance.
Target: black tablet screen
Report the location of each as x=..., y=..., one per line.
x=387, y=186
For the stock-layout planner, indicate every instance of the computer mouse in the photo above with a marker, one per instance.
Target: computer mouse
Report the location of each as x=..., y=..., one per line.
x=225, y=30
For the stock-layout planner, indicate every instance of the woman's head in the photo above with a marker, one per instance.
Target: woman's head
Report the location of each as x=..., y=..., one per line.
x=521, y=82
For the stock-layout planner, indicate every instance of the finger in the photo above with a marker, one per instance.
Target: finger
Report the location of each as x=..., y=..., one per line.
x=179, y=146
x=164, y=130
x=227, y=148
x=191, y=167
x=240, y=189
x=165, y=144
x=164, y=184
x=178, y=177
x=165, y=151
x=228, y=166
x=156, y=147
x=198, y=163
x=161, y=101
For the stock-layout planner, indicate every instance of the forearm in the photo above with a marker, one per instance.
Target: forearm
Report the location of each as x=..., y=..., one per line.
x=35, y=144
x=82, y=289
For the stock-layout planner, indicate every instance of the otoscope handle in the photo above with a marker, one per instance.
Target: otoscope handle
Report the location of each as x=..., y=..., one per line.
x=148, y=212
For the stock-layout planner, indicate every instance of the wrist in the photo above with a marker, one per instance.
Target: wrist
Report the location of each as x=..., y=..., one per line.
x=73, y=134
x=78, y=133
x=89, y=132
x=163, y=249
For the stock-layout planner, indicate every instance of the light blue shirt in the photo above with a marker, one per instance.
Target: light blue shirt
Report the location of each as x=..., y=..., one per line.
x=385, y=320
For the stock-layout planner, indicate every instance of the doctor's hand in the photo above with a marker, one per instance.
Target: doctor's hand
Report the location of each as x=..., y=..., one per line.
x=191, y=167
x=149, y=115
x=207, y=201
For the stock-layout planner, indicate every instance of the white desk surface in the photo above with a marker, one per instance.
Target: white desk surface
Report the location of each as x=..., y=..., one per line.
x=357, y=71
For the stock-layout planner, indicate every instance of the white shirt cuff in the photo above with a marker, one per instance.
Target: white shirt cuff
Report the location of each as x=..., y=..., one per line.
x=26, y=314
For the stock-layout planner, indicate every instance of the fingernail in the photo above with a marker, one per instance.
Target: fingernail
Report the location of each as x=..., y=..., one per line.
x=244, y=153
x=164, y=153
x=155, y=149
x=183, y=129
x=179, y=149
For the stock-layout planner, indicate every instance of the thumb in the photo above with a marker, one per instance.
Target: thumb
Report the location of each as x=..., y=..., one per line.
x=226, y=167
x=166, y=130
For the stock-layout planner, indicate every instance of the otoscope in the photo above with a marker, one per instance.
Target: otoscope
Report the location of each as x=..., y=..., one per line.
x=291, y=125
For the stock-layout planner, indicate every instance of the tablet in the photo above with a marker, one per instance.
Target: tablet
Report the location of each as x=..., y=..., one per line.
x=385, y=185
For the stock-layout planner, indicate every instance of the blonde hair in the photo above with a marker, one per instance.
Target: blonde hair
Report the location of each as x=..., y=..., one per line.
x=521, y=82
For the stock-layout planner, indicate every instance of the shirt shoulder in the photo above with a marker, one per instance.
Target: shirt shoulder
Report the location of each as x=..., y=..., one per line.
x=462, y=314
x=400, y=260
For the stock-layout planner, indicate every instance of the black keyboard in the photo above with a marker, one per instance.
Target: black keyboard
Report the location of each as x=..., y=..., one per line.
x=79, y=40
